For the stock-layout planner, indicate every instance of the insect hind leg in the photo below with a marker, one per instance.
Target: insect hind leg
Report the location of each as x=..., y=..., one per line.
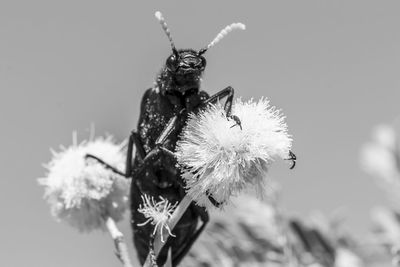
x=205, y=218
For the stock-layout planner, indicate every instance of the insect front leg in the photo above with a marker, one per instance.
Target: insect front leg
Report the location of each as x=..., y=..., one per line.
x=159, y=149
x=228, y=92
x=293, y=158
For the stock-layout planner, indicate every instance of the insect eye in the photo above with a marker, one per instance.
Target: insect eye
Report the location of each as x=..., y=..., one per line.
x=203, y=62
x=172, y=62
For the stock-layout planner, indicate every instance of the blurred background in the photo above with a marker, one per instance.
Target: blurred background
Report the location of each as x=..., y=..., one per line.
x=332, y=67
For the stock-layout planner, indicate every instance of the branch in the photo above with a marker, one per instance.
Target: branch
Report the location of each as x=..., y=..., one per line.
x=120, y=246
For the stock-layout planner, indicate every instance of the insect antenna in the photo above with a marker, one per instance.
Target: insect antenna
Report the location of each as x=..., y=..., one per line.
x=164, y=25
x=222, y=34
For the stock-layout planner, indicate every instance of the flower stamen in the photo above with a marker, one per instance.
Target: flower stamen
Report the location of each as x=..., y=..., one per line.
x=157, y=213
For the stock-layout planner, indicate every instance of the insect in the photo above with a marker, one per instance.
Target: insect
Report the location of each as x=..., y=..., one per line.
x=163, y=114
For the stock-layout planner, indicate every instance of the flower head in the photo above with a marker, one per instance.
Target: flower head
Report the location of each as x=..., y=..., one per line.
x=81, y=191
x=347, y=258
x=157, y=213
x=381, y=158
x=220, y=160
x=386, y=222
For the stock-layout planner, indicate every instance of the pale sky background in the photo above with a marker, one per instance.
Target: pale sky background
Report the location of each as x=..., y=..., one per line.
x=332, y=66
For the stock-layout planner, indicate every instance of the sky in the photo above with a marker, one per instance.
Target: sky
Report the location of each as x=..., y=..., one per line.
x=331, y=66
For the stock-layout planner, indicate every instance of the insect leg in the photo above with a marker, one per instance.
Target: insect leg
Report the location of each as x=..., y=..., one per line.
x=205, y=218
x=228, y=92
x=171, y=126
x=213, y=201
x=158, y=150
x=293, y=158
x=133, y=140
x=150, y=158
x=105, y=164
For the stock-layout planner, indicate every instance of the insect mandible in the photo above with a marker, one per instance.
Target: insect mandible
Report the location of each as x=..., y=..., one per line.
x=163, y=113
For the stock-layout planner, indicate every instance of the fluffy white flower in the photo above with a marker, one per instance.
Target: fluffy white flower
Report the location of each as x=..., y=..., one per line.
x=220, y=160
x=378, y=157
x=157, y=213
x=387, y=224
x=81, y=191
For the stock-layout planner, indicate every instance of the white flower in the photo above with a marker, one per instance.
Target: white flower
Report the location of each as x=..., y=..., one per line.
x=81, y=191
x=386, y=222
x=220, y=160
x=157, y=213
x=385, y=136
x=380, y=158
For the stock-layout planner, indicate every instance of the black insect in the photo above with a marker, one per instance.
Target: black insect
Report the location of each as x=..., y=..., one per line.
x=163, y=113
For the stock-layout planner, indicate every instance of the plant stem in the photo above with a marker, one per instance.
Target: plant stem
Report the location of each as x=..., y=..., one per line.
x=179, y=211
x=169, y=259
x=120, y=246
